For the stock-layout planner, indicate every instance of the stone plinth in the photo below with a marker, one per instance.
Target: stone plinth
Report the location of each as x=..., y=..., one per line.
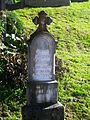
x=43, y=112
x=42, y=92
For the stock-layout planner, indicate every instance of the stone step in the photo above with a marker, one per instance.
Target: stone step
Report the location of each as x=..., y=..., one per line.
x=51, y=112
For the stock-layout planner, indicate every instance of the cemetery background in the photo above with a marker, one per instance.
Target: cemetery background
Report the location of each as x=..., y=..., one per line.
x=71, y=26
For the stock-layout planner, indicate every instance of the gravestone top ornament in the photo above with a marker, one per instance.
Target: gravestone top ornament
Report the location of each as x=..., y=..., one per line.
x=42, y=88
x=42, y=20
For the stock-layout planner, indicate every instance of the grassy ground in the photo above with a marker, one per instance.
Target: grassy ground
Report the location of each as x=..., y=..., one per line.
x=71, y=27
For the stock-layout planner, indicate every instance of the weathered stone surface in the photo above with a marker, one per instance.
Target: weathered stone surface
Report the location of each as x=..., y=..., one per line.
x=42, y=92
x=47, y=2
x=52, y=112
x=41, y=58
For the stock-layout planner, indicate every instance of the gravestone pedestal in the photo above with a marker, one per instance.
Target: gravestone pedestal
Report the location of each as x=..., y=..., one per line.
x=42, y=92
x=43, y=112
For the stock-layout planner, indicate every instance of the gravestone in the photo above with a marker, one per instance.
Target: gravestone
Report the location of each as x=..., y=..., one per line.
x=79, y=0
x=2, y=4
x=42, y=88
x=47, y=3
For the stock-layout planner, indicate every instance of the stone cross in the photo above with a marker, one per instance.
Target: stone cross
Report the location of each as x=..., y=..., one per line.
x=42, y=20
x=42, y=88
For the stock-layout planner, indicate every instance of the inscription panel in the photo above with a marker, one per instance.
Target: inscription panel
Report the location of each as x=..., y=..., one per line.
x=43, y=67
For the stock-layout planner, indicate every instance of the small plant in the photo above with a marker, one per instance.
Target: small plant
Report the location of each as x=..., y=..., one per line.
x=61, y=69
x=13, y=67
x=14, y=25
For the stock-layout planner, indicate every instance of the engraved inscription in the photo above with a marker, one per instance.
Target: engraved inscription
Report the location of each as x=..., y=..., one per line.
x=45, y=94
x=43, y=66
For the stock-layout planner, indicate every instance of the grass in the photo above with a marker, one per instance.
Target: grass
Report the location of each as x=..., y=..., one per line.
x=71, y=27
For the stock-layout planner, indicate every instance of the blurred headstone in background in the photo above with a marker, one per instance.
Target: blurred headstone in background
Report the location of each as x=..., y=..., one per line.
x=2, y=4
x=79, y=0
x=47, y=3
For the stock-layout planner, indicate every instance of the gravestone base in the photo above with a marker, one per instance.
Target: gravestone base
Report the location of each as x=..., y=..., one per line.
x=43, y=112
x=42, y=92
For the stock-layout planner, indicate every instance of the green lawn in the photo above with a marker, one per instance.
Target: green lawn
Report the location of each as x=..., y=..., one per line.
x=71, y=27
